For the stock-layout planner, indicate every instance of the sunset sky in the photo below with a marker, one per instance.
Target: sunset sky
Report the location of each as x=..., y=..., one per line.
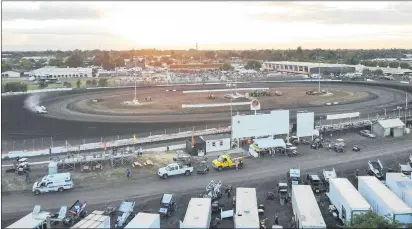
x=213, y=25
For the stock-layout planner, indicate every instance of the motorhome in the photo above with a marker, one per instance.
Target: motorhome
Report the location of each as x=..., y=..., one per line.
x=53, y=183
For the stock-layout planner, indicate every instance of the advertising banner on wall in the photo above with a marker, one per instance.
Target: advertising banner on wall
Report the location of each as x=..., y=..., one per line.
x=305, y=124
x=342, y=116
x=244, y=126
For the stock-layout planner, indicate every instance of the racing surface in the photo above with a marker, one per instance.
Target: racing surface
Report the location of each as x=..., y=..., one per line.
x=63, y=123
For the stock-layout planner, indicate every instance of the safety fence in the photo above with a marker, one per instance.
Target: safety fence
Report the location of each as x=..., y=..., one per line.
x=117, y=143
x=48, y=142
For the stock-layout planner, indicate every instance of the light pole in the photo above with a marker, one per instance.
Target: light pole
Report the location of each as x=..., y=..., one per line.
x=319, y=58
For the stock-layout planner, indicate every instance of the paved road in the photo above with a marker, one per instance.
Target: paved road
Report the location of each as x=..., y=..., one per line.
x=261, y=169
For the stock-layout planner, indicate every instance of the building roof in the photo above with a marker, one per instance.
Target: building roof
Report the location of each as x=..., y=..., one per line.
x=198, y=213
x=387, y=196
x=246, y=215
x=10, y=72
x=308, y=64
x=196, y=66
x=54, y=70
x=28, y=221
x=391, y=123
x=269, y=143
x=93, y=220
x=310, y=215
x=350, y=194
x=142, y=220
x=216, y=137
x=389, y=70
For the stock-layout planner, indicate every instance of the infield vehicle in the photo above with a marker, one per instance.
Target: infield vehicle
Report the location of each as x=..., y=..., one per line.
x=174, y=169
x=224, y=161
x=53, y=183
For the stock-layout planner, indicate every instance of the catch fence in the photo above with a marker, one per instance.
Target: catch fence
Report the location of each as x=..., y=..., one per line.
x=50, y=142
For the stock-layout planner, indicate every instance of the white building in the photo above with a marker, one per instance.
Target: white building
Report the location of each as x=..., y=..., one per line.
x=389, y=127
x=305, y=208
x=383, y=201
x=61, y=73
x=246, y=212
x=144, y=220
x=347, y=200
x=10, y=74
x=401, y=185
x=198, y=214
x=216, y=143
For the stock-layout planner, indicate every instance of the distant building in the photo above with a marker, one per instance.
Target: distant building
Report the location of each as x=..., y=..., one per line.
x=307, y=67
x=198, y=67
x=60, y=73
x=10, y=74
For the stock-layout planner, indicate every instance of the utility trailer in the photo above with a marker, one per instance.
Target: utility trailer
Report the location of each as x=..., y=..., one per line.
x=198, y=214
x=406, y=168
x=383, y=201
x=401, y=185
x=346, y=199
x=305, y=208
x=96, y=219
x=125, y=211
x=144, y=220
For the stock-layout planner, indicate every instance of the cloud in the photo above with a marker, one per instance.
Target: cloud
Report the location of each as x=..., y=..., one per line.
x=340, y=13
x=49, y=11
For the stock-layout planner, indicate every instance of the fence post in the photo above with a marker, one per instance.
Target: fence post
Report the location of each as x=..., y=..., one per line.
x=118, y=137
x=14, y=142
x=206, y=127
x=33, y=143
x=179, y=130
x=193, y=128
x=150, y=134
x=165, y=131
x=84, y=141
x=101, y=139
x=42, y=143
x=51, y=142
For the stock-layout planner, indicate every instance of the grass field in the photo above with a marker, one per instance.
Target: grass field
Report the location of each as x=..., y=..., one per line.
x=33, y=86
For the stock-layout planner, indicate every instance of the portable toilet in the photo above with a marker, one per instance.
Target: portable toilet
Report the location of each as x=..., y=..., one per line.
x=53, y=168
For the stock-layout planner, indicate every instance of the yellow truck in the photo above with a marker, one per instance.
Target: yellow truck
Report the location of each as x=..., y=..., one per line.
x=226, y=162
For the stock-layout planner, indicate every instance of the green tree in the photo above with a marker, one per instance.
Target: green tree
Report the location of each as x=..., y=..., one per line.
x=102, y=82
x=88, y=83
x=67, y=84
x=5, y=67
x=56, y=62
x=253, y=64
x=378, y=72
x=43, y=84
x=78, y=83
x=14, y=87
x=406, y=65
x=227, y=67
x=26, y=64
x=94, y=82
x=74, y=61
x=372, y=220
x=366, y=72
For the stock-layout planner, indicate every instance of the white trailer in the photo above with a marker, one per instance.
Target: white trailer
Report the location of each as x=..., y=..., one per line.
x=305, y=208
x=401, y=185
x=144, y=220
x=246, y=210
x=96, y=219
x=29, y=221
x=198, y=214
x=383, y=201
x=347, y=200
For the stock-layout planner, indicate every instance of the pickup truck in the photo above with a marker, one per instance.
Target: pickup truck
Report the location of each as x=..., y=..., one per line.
x=224, y=161
x=174, y=169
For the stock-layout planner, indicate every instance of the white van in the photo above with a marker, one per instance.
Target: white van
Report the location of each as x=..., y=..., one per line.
x=53, y=183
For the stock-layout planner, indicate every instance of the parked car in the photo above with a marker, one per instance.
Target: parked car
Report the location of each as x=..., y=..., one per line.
x=367, y=133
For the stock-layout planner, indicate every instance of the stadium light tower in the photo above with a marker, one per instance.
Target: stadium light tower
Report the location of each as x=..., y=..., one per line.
x=319, y=58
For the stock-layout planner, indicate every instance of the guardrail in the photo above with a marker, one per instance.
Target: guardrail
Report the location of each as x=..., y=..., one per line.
x=35, y=91
x=116, y=143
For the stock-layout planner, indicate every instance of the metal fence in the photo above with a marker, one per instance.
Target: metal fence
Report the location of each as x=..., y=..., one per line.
x=44, y=143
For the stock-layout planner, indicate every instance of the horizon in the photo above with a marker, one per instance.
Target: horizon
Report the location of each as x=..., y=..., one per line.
x=233, y=26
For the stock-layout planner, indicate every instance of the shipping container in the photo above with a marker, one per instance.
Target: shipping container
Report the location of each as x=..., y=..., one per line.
x=401, y=185
x=305, y=208
x=347, y=200
x=144, y=220
x=246, y=210
x=198, y=213
x=96, y=219
x=383, y=201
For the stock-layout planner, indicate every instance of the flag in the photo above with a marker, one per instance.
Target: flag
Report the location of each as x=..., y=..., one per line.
x=134, y=138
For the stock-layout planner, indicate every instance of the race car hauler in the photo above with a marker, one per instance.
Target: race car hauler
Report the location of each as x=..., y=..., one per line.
x=53, y=183
x=29, y=221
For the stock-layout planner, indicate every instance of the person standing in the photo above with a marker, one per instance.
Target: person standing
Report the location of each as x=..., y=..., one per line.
x=26, y=173
x=128, y=174
x=237, y=164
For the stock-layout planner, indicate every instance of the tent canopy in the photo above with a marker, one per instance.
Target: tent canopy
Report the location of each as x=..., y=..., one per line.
x=269, y=143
